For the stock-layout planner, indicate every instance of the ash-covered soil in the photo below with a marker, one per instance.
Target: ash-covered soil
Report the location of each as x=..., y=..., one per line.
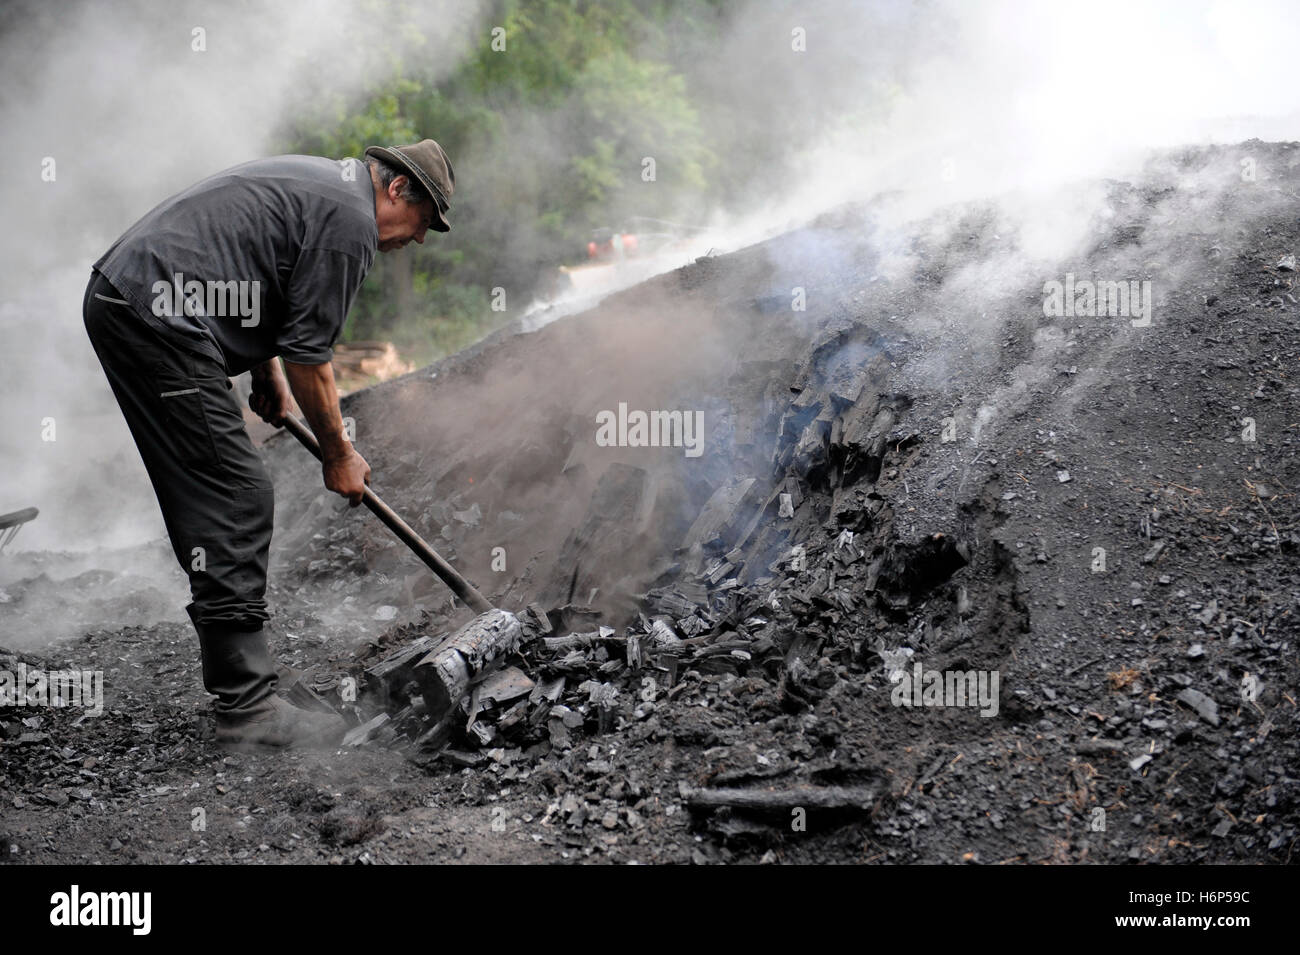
x=904, y=462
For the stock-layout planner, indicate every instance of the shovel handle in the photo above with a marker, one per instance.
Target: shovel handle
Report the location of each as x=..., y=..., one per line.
x=461, y=587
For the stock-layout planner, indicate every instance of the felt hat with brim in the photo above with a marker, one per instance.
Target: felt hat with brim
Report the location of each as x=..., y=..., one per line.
x=428, y=165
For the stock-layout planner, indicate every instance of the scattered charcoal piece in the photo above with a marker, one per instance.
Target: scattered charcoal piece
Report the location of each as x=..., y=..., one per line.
x=662, y=636
x=465, y=760
x=1156, y=549
x=294, y=688
x=366, y=731
x=723, y=514
x=1099, y=747
x=1203, y=706
x=390, y=674
x=573, y=617
x=673, y=604
x=502, y=686
x=578, y=641
x=536, y=617
x=549, y=690
x=722, y=570
x=782, y=801
x=513, y=716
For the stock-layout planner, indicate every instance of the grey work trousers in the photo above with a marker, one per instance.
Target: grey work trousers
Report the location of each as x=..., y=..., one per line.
x=216, y=496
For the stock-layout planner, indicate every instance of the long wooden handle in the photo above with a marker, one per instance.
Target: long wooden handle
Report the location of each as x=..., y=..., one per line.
x=461, y=587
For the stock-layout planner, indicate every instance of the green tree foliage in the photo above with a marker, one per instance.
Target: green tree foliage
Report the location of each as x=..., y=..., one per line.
x=548, y=138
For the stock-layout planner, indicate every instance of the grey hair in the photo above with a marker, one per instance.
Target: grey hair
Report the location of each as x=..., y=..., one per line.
x=386, y=172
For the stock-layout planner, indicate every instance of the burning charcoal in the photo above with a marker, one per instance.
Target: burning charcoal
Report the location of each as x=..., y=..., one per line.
x=666, y=665
x=574, y=618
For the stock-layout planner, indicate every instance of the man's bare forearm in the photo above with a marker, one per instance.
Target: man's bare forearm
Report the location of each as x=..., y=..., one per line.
x=314, y=389
x=345, y=471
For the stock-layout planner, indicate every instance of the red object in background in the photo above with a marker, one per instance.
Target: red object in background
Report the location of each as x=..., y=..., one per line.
x=606, y=244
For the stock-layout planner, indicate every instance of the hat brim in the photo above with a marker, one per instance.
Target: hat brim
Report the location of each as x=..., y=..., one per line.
x=439, y=223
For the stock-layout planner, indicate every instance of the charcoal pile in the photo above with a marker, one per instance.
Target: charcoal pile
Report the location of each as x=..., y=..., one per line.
x=789, y=587
x=898, y=478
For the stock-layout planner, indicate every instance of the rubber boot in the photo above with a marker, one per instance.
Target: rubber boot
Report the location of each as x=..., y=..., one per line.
x=239, y=670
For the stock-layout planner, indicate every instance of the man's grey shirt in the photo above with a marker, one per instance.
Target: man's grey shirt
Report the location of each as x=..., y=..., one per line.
x=294, y=234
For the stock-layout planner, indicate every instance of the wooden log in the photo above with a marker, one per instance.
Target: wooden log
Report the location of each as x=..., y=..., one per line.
x=445, y=673
x=838, y=798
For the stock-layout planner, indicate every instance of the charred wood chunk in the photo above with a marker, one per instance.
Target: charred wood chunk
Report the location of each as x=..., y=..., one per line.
x=853, y=799
x=444, y=674
x=387, y=677
x=724, y=515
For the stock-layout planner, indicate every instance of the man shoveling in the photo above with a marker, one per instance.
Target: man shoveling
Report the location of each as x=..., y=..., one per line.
x=255, y=264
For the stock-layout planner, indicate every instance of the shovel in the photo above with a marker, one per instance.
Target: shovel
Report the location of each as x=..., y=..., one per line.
x=449, y=670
